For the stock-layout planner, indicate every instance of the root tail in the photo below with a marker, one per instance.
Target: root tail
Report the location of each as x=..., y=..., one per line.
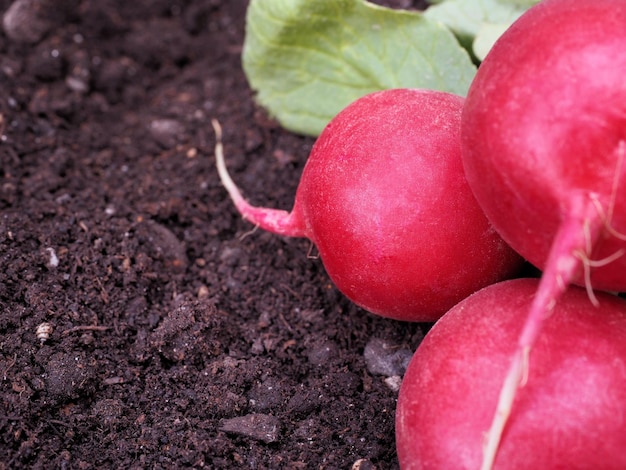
x=273, y=220
x=577, y=234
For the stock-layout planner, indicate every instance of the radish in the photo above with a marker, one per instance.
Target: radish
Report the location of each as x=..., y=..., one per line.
x=571, y=413
x=543, y=142
x=384, y=198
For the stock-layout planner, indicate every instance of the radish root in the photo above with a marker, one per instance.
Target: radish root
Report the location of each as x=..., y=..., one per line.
x=248, y=233
x=273, y=220
x=607, y=216
x=589, y=263
x=227, y=182
x=569, y=253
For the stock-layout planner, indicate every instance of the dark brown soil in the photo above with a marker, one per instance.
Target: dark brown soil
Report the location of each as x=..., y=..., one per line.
x=179, y=339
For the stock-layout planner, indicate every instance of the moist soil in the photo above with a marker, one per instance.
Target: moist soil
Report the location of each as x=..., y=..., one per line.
x=143, y=324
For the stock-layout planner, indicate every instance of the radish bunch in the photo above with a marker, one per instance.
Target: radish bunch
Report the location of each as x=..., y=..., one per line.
x=384, y=198
x=406, y=194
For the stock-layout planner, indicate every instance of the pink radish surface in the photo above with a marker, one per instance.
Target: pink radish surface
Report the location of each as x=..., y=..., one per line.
x=384, y=198
x=571, y=413
x=544, y=141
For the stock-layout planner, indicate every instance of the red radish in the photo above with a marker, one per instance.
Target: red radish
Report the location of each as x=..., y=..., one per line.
x=544, y=140
x=571, y=413
x=384, y=198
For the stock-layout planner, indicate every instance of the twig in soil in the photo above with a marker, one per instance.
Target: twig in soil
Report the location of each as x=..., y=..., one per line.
x=291, y=291
x=11, y=364
x=60, y=423
x=285, y=322
x=85, y=328
x=103, y=293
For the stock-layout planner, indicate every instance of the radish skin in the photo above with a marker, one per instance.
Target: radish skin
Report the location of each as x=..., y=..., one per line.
x=571, y=414
x=543, y=139
x=384, y=198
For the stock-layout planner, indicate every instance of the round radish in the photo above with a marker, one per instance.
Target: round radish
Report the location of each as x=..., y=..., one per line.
x=571, y=412
x=544, y=143
x=384, y=198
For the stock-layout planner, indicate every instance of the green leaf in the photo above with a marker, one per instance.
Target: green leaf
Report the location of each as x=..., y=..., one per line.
x=487, y=35
x=521, y=3
x=467, y=17
x=307, y=60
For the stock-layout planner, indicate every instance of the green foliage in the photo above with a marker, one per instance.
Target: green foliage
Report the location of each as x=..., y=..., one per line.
x=521, y=3
x=307, y=60
x=477, y=20
x=487, y=35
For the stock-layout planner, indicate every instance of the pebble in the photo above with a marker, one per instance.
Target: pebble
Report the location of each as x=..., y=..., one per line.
x=322, y=352
x=394, y=383
x=260, y=427
x=363, y=464
x=385, y=358
x=167, y=244
x=23, y=22
x=166, y=131
x=43, y=332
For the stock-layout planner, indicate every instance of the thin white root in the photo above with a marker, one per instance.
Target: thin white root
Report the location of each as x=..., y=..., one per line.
x=248, y=233
x=621, y=150
x=589, y=263
x=615, y=233
x=608, y=260
x=606, y=219
x=587, y=231
x=312, y=253
x=587, y=276
x=607, y=216
x=227, y=181
x=505, y=404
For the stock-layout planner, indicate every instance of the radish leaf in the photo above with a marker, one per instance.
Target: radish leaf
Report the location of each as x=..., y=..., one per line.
x=307, y=60
x=487, y=35
x=467, y=17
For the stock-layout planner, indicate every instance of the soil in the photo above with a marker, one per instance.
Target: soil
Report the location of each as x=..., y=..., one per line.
x=142, y=323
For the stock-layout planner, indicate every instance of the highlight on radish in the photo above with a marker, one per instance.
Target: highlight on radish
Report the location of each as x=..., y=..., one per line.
x=384, y=198
x=543, y=146
x=571, y=412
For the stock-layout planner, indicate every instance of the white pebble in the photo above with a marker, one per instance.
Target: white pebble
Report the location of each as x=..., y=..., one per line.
x=53, y=262
x=394, y=382
x=44, y=331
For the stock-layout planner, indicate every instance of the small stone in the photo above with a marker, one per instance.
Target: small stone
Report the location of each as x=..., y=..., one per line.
x=44, y=330
x=394, y=382
x=259, y=427
x=203, y=292
x=322, y=352
x=385, y=358
x=363, y=464
x=53, y=260
x=23, y=21
x=166, y=131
